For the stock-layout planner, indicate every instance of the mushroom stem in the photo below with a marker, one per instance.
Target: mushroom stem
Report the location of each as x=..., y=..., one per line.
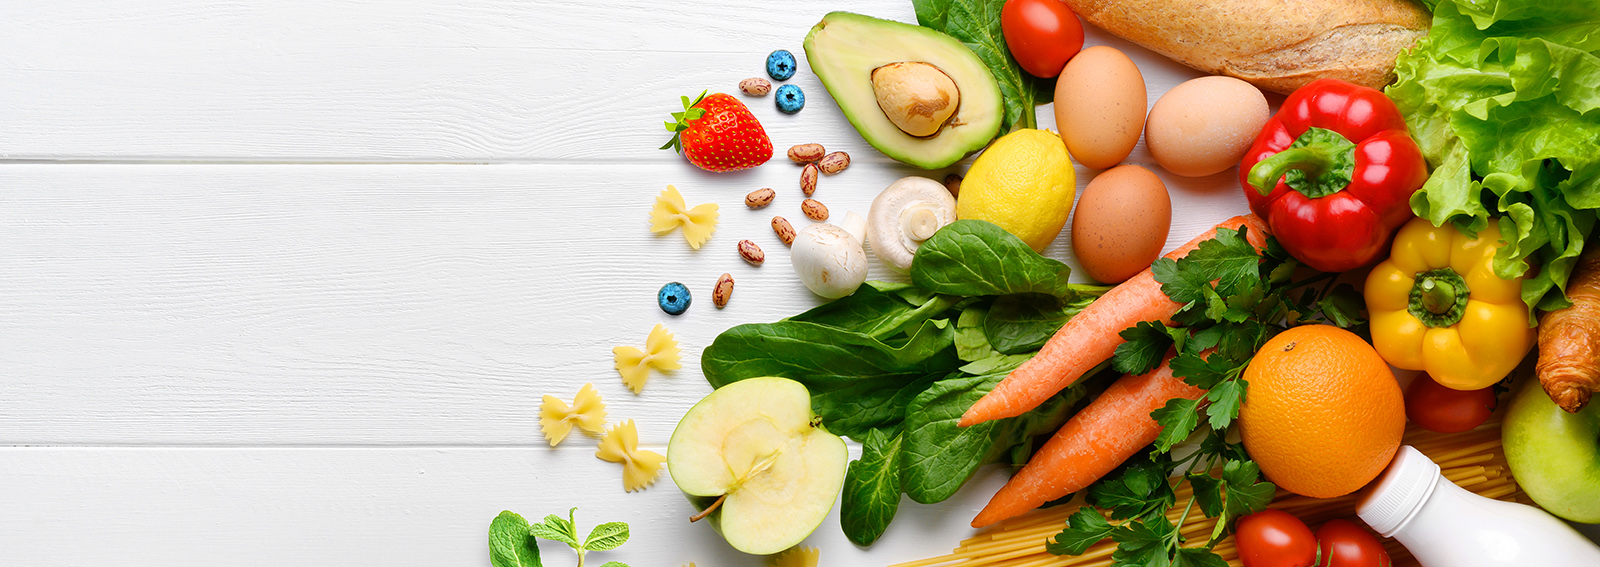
x=919, y=223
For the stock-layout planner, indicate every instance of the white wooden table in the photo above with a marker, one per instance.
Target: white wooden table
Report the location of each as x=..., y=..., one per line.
x=282, y=281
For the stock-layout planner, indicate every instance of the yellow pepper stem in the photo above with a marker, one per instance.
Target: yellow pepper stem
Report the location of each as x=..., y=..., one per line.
x=1439, y=298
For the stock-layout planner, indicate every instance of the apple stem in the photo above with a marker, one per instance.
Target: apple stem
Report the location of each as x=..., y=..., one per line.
x=709, y=509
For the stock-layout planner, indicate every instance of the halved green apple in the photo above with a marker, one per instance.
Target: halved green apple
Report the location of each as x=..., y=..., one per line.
x=752, y=456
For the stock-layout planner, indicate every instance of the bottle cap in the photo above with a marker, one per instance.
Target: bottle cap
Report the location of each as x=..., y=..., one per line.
x=1397, y=495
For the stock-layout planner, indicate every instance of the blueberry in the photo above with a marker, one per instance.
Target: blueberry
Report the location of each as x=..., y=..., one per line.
x=674, y=298
x=790, y=99
x=780, y=65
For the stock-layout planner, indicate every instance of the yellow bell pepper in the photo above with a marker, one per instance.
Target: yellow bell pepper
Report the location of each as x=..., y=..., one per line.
x=1436, y=305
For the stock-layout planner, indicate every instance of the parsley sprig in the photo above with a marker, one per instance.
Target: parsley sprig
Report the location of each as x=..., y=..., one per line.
x=1234, y=298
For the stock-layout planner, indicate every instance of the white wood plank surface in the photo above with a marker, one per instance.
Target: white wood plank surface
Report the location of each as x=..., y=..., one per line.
x=203, y=507
x=348, y=80
x=378, y=304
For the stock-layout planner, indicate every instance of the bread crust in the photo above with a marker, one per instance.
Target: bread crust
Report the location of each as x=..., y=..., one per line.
x=1277, y=45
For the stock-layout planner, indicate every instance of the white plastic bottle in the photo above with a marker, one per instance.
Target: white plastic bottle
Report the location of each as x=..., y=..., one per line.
x=1443, y=525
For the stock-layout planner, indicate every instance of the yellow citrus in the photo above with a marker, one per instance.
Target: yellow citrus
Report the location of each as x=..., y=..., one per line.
x=1024, y=183
x=1323, y=414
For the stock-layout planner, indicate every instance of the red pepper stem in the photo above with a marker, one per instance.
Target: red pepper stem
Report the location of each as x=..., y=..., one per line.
x=1314, y=159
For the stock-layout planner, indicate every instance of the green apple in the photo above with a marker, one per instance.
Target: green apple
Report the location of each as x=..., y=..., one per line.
x=752, y=456
x=1555, y=455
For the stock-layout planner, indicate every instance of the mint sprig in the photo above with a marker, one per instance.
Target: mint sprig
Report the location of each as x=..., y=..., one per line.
x=512, y=543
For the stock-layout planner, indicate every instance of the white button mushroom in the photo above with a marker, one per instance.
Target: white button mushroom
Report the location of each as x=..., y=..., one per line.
x=829, y=258
x=908, y=212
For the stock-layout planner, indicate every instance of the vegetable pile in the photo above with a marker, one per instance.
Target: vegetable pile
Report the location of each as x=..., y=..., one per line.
x=1501, y=97
x=895, y=365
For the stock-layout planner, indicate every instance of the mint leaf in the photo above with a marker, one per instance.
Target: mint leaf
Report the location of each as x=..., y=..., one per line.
x=510, y=542
x=614, y=564
x=1246, y=495
x=556, y=529
x=1147, y=343
x=606, y=537
x=1177, y=419
x=1085, y=528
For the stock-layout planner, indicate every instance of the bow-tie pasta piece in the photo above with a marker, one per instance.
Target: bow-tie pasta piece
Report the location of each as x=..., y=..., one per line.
x=670, y=212
x=660, y=352
x=639, y=467
x=587, y=412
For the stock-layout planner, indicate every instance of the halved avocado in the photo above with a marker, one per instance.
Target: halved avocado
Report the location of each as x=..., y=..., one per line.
x=845, y=50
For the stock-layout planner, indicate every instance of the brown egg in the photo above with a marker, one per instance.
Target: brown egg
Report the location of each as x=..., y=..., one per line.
x=1100, y=104
x=1205, y=125
x=1121, y=223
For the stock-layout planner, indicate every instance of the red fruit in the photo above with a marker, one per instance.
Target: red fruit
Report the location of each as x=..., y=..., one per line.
x=717, y=133
x=1445, y=410
x=1274, y=538
x=1342, y=543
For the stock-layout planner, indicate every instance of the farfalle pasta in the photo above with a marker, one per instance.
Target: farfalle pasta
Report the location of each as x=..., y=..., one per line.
x=670, y=212
x=660, y=352
x=587, y=411
x=621, y=445
x=797, y=557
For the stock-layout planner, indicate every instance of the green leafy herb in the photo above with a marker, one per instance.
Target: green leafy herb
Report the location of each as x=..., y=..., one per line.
x=974, y=257
x=512, y=544
x=896, y=365
x=871, y=488
x=1501, y=96
x=976, y=23
x=1234, y=298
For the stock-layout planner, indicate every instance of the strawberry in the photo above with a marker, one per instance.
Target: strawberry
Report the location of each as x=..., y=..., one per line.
x=717, y=133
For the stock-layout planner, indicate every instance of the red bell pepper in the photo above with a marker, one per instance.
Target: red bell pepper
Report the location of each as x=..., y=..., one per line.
x=1332, y=174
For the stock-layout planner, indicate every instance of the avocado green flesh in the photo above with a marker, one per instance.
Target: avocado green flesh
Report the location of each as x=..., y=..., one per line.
x=844, y=48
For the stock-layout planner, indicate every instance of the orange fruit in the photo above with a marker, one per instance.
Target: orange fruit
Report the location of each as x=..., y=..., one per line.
x=1323, y=414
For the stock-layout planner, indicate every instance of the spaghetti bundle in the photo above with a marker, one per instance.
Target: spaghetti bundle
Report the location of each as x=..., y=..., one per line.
x=1473, y=460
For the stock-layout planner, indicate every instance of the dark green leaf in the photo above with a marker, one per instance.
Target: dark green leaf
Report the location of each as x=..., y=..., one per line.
x=1343, y=306
x=1001, y=363
x=1198, y=557
x=971, y=342
x=1246, y=493
x=511, y=544
x=1147, y=344
x=1024, y=322
x=1179, y=285
x=976, y=23
x=1207, y=493
x=1225, y=399
x=1177, y=419
x=1140, y=487
x=1203, y=373
x=1143, y=543
x=871, y=488
x=1229, y=259
x=857, y=383
x=876, y=312
x=1085, y=528
x=974, y=257
x=606, y=537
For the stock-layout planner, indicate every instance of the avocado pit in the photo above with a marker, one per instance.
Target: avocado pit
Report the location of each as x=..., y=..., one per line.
x=917, y=97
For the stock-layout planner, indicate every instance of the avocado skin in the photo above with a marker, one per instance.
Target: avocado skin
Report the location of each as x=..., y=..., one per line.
x=844, y=48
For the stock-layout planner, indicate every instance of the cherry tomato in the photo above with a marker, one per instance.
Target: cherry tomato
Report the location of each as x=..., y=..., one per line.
x=1041, y=34
x=1445, y=410
x=1274, y=538
x=1345, y=544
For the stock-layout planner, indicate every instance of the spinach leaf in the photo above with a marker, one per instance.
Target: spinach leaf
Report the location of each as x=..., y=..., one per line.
x=976, y=23
x=510, y=542
x=941, y=456
x=974, y=257
x=1024, y=322
x=857, y=382
x=875, y=313
x=871, y=488
x=971, y=344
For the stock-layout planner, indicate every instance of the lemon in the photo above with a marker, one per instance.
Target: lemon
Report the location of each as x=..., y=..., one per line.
x=1024, y=183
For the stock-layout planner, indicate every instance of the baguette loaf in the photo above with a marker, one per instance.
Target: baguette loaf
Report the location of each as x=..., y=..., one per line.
x=1277, y=45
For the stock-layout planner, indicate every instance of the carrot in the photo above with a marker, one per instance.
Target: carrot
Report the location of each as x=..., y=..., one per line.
x=1090, y=337
x=1101, y=436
